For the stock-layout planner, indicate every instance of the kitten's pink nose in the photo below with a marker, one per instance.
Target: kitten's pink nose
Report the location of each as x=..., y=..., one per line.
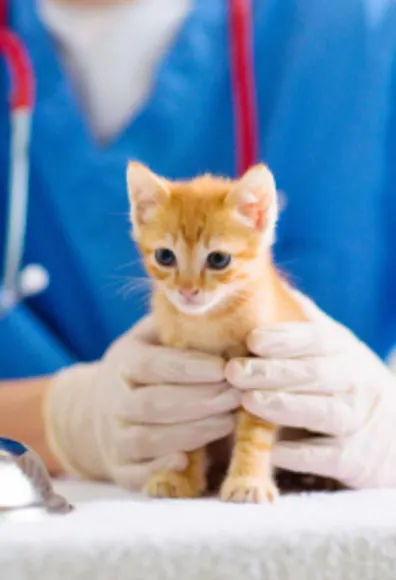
x=188, y=293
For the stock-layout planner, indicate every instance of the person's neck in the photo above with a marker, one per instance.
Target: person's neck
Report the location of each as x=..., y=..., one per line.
x=91, y=3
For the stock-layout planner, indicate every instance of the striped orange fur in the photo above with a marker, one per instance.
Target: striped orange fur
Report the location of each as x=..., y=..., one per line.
x=198, y=305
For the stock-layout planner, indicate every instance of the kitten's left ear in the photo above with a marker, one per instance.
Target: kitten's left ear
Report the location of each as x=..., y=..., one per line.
x=254, y=199
x=146, y=192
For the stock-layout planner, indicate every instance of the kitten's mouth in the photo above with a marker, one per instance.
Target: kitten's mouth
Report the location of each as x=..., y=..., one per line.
x=193, y=305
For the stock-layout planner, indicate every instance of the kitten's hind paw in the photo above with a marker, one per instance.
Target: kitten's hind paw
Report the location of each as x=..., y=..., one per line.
x=248, y=490
x=171, y=485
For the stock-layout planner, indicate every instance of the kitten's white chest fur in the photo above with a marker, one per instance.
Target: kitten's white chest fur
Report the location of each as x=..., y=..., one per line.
x=217, y=333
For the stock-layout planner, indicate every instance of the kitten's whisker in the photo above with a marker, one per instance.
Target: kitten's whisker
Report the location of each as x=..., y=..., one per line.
x=142, y=300
x=136, y=280
x=142, y=279
x=130, y=287
x=131, y=264
x=139, y=298
x=129, y=284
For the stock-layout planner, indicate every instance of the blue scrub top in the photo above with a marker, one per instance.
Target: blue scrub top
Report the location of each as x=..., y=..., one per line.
x=327, y=120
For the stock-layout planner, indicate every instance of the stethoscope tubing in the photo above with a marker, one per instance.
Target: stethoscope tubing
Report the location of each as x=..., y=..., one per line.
x=21, y=109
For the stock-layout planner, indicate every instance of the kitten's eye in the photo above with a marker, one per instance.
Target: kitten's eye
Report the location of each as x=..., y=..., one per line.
x=165, y=257
x=218, y=260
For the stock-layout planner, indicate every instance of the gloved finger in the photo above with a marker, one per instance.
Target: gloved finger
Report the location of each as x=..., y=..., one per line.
x=145, y=331
x=141, y=442
x=319, y=456
x=329, y=374
x=298, y=339
x=145, y=363
x=133, y=476
x=321, y=414
x=167, y=404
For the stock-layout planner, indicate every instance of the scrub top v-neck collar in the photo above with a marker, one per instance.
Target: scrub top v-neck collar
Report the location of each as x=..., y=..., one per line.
x=59, y=109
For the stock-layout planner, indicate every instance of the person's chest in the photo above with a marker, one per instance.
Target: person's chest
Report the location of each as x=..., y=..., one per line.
x=79, y=216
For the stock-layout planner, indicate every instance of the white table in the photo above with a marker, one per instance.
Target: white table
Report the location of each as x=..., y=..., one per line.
x=113, y=535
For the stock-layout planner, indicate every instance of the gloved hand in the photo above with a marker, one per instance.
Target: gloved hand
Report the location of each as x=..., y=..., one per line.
x=137, y=410
x=318, y=376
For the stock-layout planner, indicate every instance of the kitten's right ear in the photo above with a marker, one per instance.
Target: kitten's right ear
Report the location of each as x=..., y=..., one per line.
x=254, y=199
x=146, y=191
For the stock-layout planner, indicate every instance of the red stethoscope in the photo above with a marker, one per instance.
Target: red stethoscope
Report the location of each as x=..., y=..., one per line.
x=17, y=282
x=243, y=85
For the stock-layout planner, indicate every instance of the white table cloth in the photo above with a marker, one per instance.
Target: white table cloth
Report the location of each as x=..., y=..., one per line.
x=113, y=535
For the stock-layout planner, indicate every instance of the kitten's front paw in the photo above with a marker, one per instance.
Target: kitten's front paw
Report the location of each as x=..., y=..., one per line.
x=171, y=485
x=244, y=489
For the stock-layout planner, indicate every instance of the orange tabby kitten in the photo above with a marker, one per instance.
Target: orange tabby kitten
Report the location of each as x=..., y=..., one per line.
x=206, y=244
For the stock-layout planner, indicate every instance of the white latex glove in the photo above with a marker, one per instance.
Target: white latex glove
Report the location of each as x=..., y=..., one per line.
x=318, y=376
x=137, y=410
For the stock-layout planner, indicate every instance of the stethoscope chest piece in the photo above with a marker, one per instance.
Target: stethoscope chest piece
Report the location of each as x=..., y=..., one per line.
x=25, y=482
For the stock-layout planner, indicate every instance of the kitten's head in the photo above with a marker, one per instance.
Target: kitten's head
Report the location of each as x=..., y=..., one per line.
x=202, y=240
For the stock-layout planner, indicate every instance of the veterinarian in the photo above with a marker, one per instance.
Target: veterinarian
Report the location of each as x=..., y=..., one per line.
x=83, y=381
